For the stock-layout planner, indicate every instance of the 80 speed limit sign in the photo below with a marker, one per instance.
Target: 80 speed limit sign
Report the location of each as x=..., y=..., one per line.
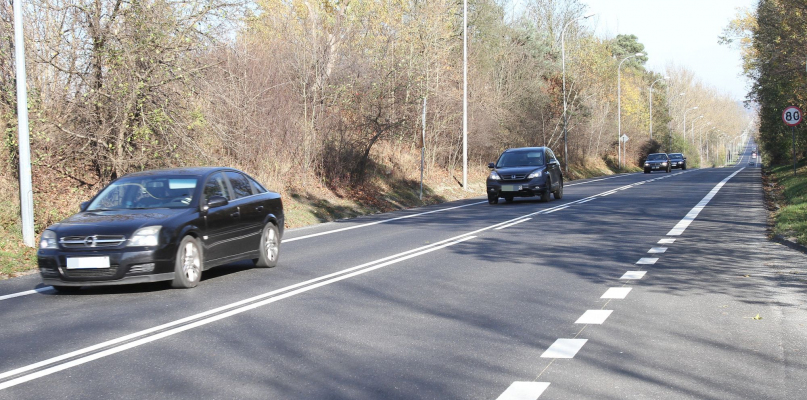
x=792, y=116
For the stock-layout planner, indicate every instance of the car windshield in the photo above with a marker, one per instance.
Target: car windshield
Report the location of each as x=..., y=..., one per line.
x=653, y=157
x=521, y=159
x=144, y=192
x=677, y=156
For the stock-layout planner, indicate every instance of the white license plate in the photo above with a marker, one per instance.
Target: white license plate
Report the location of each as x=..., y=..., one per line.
x=511, y=188
x=87, y=262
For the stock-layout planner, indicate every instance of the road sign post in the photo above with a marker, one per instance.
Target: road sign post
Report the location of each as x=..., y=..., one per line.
x=792, y=116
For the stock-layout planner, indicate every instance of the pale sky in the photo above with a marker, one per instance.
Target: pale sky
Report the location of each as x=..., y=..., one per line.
x=680, y=31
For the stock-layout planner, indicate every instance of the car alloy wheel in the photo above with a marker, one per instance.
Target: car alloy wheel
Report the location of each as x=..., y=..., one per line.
x=188, y=267
x=270, y=247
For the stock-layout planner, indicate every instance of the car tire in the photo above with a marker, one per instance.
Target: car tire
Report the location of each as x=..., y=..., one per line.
x=493, y=199
x=647, y=171
x=546, y=195
x=66, y=289
x=684, y=167
x=559, y=193
x=188, y=264
x=270, y=247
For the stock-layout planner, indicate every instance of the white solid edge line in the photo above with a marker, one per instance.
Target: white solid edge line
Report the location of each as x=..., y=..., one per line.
x=27, y=292
x=513, y=223
x=692, y=214
x=378, y=222
x=205, y=321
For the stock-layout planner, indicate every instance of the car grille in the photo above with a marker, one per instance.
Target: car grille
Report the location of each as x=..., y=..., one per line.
x=83, y=242
x=506, y=177
x=90, y=273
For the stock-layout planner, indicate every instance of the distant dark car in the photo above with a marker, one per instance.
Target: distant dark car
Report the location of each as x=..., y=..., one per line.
x=751, y=162
x=677, y=160
x=163, y=225
x=525, y=172
x=657, y=162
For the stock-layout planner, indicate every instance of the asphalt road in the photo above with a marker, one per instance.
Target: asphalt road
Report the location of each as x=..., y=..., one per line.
x=463, y=300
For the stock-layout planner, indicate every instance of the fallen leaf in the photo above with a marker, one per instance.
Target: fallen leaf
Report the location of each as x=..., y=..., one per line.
x=758, y=317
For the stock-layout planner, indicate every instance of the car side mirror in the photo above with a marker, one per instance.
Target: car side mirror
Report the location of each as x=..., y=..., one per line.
x=491, y=165
x=83, y=206
x=216, y=201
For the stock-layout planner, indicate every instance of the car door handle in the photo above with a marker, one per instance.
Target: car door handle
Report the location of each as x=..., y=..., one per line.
x=235, y=214
x=259, y=208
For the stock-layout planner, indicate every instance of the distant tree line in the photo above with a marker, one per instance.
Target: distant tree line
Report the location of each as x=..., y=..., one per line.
x=333, y=90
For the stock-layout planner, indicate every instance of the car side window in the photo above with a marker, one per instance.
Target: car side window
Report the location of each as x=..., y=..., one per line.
x=256, y=187
x=551, y=156
x=240, y=184
x=216, y=186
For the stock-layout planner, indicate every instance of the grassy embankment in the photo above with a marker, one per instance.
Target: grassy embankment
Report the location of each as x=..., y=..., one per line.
x=789, y=197
x=306, y=204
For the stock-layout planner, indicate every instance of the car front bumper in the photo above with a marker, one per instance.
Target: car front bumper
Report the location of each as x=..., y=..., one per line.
x=655, y=167
x=126, y=266
x=516, y=189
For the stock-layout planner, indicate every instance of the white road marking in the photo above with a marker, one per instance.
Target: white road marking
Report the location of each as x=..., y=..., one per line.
x=27, y=292
x=240, y=307
x=379, y=222
x=594, y=317
x=555, y=209
x=584, y=201
x=657, y=250
x=633, y=275
x=616, y=293
x=513, y=223
x=597, y=180
x=692, y=214
x=666, y=241
x=524, y=391
x=647, y=261
x=564, y=348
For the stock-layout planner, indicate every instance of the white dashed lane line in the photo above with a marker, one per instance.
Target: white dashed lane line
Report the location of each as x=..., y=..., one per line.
x=594, y=317
x=524, y=391
x=27, y=292
x=657, y=250
x=666, y=241
x=633, y=275
x=564, y=348
x=647, y=261
x=616, y=293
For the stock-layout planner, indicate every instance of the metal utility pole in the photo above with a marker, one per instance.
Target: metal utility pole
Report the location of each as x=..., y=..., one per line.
x=563, y=63
x=26, y=190
x=465, y=95
x=651, y=103
x=619, y=105
x=422, y=148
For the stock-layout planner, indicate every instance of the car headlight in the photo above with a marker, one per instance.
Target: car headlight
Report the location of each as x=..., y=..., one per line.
x=535, y=174
x=48, y=240
x=146, y=236
x=646, y=164
x=494, y=176
x=664, y=163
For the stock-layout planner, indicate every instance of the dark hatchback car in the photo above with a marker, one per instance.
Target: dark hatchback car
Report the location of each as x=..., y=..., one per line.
x=677, y=160
x=163, y=225
x=525, y=172
x=657, y=162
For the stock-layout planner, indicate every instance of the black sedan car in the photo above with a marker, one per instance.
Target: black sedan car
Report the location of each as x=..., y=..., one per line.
x=677, y=160
x=163, y=225
x=525, y=172
x=657, y=162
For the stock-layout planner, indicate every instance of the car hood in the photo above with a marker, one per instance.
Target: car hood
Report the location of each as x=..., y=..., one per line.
x=516, y=170
x=115, y=222
x=655, y=161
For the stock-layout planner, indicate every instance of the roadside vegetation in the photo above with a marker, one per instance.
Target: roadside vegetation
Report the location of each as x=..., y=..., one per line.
x=323, y=100
x=787, y=194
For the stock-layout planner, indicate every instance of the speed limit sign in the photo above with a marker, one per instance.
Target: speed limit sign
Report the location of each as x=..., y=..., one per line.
x=791, y=116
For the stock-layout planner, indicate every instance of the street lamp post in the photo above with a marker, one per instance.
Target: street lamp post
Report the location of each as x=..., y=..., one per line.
x=651, y=103
x=619, y=104
x=563, y=63
x=685, y=120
